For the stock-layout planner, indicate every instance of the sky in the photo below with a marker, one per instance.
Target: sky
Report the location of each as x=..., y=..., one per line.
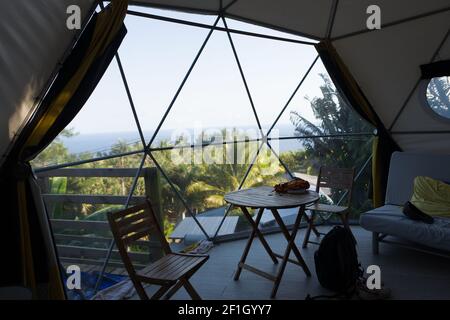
x=157, y=54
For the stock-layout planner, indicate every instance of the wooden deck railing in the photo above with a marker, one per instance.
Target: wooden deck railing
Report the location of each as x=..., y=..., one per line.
x=86, y=241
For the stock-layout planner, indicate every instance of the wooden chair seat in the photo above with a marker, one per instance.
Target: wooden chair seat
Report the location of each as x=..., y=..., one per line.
x=171, y=267
x=171, y=272
x=320, y=207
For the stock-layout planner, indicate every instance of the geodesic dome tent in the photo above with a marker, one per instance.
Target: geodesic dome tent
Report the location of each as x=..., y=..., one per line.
x=377, y=71
x=385, y=63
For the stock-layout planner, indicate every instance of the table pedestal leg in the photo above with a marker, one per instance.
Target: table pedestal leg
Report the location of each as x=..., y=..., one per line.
x=310, y=221
x=255, y=231
x=291, y=246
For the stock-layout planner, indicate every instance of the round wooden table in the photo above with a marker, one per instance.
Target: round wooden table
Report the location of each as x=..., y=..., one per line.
x=265, y=198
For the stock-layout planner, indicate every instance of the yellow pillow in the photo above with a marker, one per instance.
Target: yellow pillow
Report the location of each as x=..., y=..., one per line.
x=431, y=196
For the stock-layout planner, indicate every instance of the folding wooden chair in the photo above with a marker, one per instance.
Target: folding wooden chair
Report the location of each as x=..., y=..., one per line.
x=171, y=272
x=333, y=178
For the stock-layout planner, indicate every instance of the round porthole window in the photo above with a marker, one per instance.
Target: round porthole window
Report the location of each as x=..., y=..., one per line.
x=438, y=96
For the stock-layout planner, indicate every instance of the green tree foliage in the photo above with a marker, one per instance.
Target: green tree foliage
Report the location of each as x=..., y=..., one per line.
x=438, y=95
x=56, y=152
x=203, y=185
x=334, y=117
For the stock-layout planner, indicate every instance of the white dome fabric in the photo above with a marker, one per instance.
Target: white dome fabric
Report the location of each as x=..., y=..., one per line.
x=33, y=41
x=385, y=63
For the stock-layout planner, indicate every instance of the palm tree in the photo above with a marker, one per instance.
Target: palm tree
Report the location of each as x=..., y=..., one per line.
x=213, y=181
x=334, y=117
x=204, y=185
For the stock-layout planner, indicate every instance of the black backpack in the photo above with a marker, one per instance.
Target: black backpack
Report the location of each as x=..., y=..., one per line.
x=336, y=261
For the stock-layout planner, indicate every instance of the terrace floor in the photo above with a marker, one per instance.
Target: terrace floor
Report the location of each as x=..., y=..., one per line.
x=407, y=273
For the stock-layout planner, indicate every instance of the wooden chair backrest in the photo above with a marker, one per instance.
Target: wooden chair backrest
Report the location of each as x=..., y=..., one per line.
x=336, y=178
x=133, y=224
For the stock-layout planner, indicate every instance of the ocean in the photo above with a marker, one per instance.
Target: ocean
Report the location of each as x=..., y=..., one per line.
x=102, y=142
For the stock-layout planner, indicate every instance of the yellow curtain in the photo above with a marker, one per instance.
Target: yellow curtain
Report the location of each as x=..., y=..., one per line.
x=109, y=21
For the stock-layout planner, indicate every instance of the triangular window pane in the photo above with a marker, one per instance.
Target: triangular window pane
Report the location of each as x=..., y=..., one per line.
x=266, y=170
x=156, y=55
x=273, y=70
x=213, y=97
x=318, y=109
x=105, y=122
x=202, y=176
